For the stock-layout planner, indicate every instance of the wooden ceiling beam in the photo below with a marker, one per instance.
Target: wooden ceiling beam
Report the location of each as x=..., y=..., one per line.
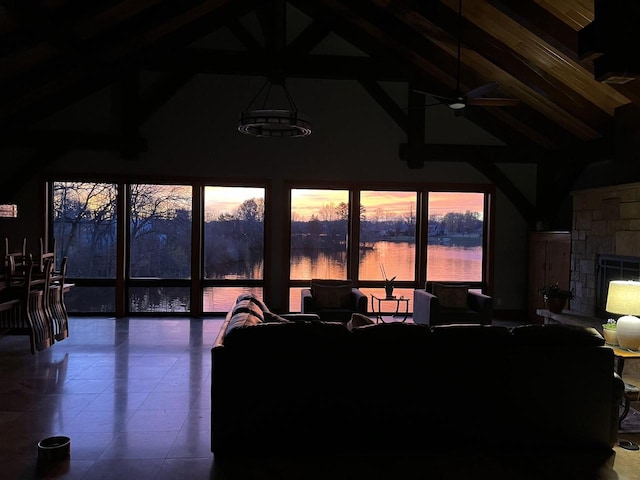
x=156, y=95
x=35, y=19
x=493, y=56
x=28, y=100
x=74, y=139
x=484, y=159
x=557, y=67
x=383, y=99
x=436, y=58
x=558, y=22
x=245, y=37
x=490, y=170
x=463, y=153
x=310, y=37
x=382, y=42
x=302, y=66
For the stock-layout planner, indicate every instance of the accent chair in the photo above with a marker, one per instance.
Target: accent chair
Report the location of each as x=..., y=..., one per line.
x=333, y=300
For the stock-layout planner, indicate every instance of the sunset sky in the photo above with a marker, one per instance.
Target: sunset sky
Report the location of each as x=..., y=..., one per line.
x=307, y=202
x=219, y=200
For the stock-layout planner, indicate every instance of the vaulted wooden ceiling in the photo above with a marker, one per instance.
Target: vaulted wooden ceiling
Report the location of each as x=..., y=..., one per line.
x=571, y=64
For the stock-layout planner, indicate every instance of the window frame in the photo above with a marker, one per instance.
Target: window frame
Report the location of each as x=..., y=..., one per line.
x=422, y=190
x=276, y=268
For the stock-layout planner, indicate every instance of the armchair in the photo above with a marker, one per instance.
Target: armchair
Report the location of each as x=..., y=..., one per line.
x=333, y=300
x=442, y=304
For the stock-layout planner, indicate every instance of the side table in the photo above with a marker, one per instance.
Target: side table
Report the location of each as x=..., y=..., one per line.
x=631, y=392
x=397, y=300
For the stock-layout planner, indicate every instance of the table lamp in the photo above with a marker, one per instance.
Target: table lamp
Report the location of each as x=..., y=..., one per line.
x=623, y=298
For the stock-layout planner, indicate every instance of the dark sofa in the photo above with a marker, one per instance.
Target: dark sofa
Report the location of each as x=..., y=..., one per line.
x=317, y=388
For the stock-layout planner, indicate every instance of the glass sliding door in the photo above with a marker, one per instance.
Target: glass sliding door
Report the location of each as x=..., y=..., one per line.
x=159, y=248
x=455, y=236
x=319, y=234
x=85, y=231
x=233, y=244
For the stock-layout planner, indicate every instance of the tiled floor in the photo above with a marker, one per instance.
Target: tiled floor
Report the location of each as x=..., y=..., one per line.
x=134, y=397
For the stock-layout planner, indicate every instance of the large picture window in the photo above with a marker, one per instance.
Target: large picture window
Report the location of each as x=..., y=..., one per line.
x=85, y=231
x=160, y=247
x=233, y=243
x=173, y=263
x=387, y=235
x=455, y=238
x=319, y=227
x=319, y=232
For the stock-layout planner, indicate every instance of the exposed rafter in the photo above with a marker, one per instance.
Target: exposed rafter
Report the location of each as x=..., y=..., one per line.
x=545, y=54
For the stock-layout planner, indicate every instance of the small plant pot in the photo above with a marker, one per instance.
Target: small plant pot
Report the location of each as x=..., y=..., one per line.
x=610, y=335
x=555, y=304
x=388, y=290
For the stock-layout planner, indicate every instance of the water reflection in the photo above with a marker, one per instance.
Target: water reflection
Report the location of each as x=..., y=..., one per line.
x=445, y=263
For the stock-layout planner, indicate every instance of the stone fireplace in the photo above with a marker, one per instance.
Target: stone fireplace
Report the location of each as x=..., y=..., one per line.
x=605, y=243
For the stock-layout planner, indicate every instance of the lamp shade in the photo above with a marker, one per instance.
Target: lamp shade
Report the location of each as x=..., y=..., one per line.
x=623, y=297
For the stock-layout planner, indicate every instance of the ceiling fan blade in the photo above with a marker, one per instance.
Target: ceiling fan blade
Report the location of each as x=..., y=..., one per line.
x=445, y=99
x=493, y=102
x=482, y=90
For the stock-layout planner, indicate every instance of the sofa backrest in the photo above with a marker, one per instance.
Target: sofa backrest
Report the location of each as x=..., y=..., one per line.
x=329, y=293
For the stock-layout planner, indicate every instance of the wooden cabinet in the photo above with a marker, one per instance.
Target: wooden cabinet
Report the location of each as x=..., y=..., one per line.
x=549, y=263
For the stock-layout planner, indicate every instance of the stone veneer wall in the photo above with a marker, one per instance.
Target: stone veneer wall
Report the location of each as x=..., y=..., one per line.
x=606, y=221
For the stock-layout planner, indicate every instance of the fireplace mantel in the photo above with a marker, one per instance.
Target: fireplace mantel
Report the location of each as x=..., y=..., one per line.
x=568, y=317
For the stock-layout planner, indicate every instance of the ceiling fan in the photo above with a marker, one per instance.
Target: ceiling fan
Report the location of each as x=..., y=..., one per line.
x=459, y=101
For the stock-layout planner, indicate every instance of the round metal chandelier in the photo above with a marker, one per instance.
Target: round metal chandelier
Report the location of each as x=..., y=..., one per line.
x=266, y=122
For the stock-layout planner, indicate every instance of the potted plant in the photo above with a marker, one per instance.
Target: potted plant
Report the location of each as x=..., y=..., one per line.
x=555, y=297
x=609, y=332
x=388, y=282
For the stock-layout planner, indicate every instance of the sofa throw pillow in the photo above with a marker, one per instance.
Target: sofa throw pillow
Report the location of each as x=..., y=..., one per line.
x=358, y=320
x=451, y=296
x=248, y=306
x=331, y=296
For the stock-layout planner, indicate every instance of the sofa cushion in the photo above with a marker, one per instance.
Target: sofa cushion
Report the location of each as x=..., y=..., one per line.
x=282, y=338
x=331, y=296
x=451, y=296
x=248, y=306
x=241, y=319
x=253, y=299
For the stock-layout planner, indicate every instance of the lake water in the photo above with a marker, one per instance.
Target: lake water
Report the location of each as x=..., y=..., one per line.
x=445, y=263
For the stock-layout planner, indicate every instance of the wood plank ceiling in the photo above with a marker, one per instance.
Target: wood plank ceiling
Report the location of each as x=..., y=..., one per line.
x=569, y=62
